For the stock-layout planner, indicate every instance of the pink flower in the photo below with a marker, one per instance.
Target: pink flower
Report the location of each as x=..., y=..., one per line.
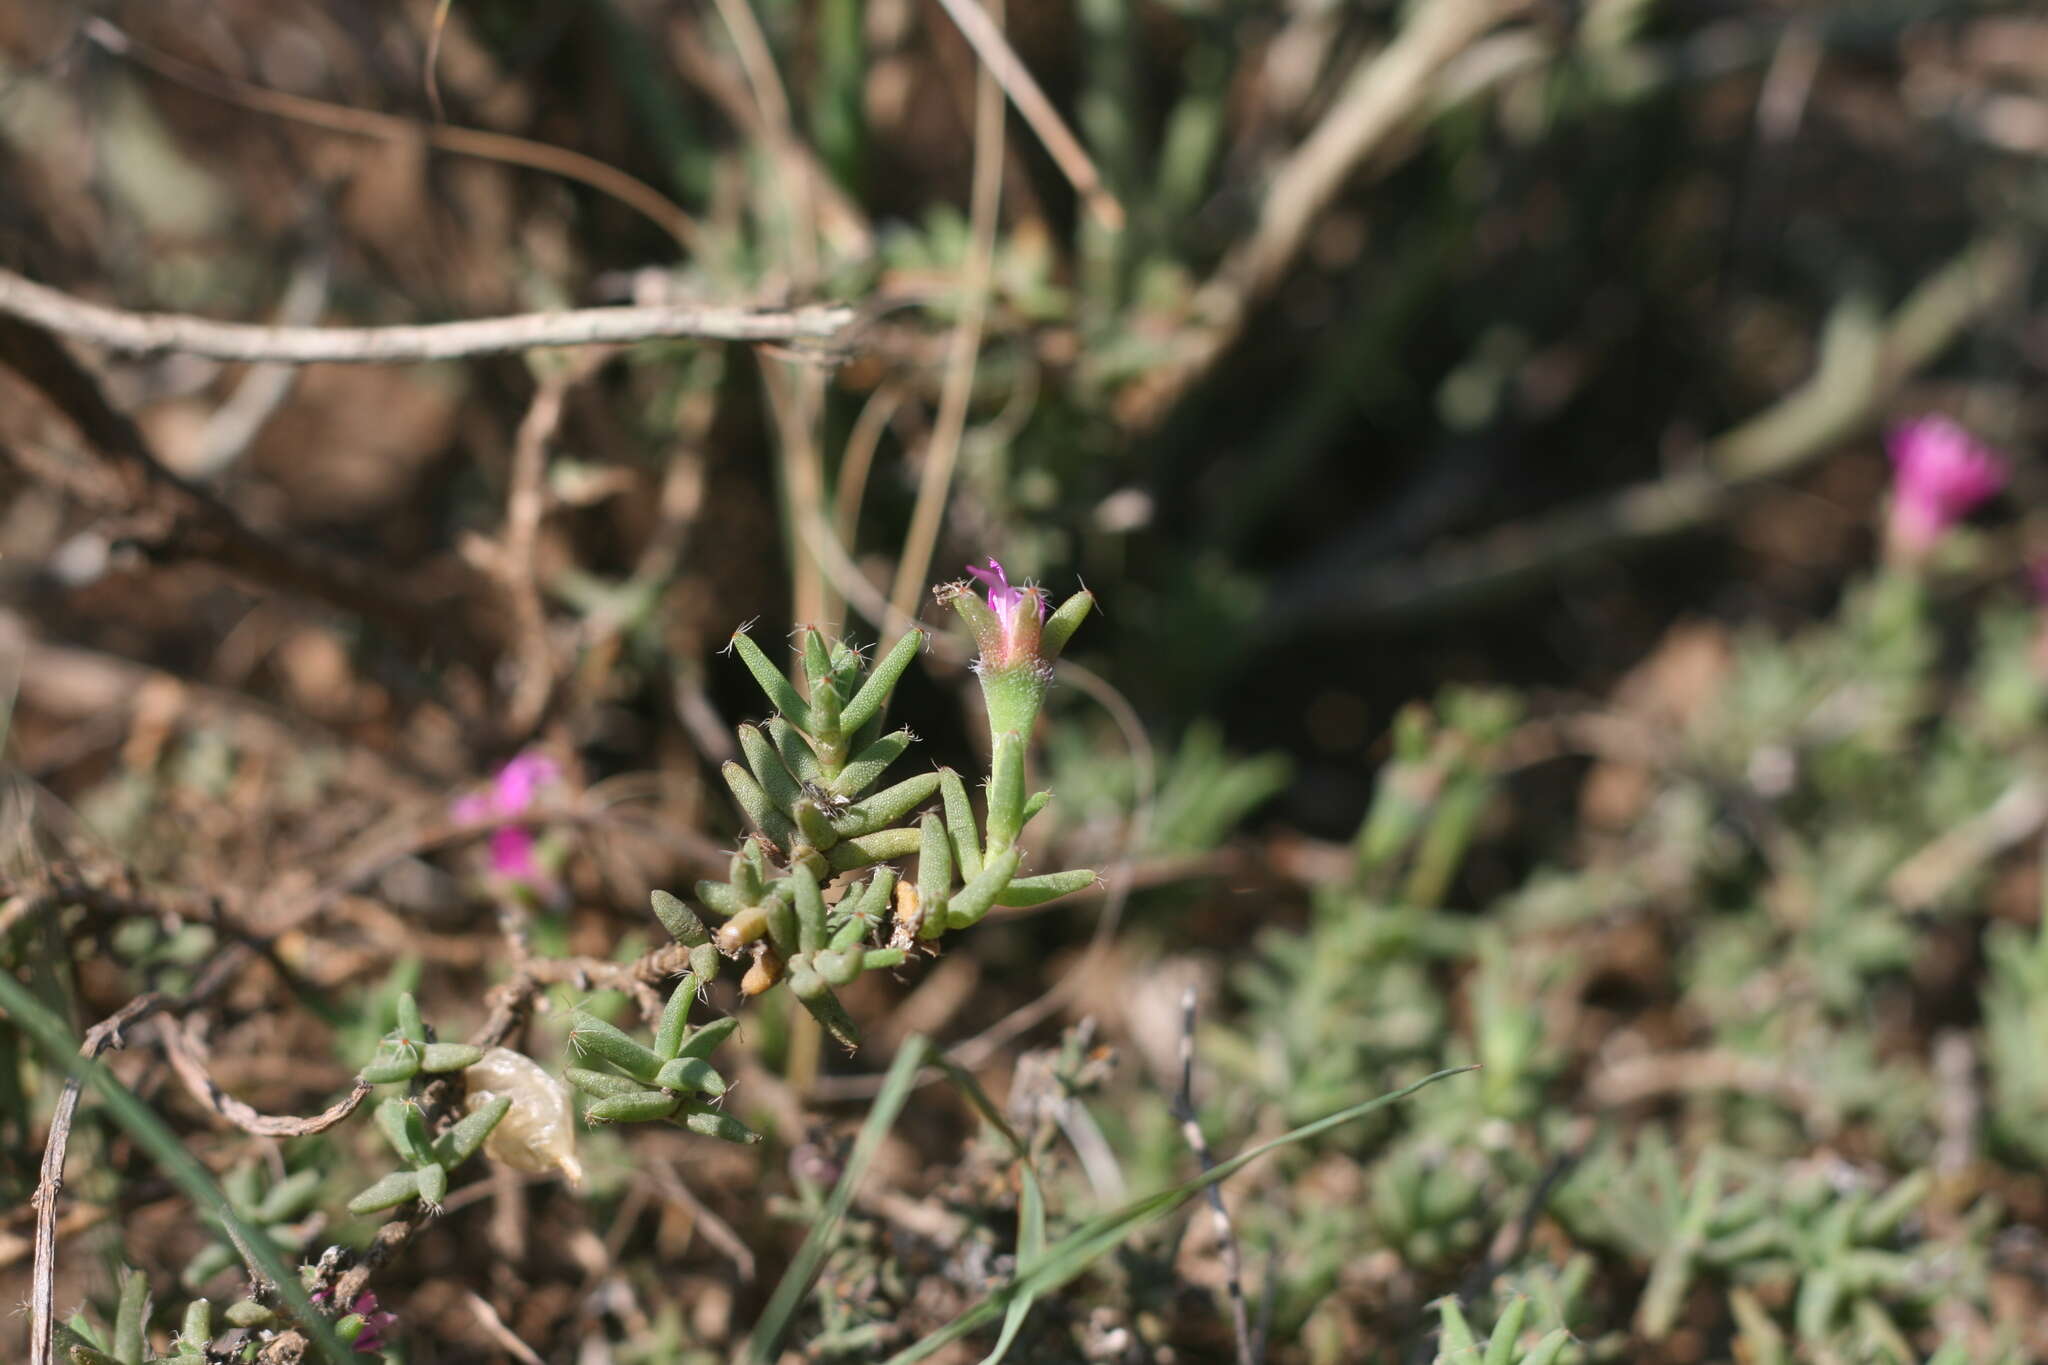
x=370, y=1337
x=1942, y=472
x=375, y=1324
x=511, y=794
x=1019, y=612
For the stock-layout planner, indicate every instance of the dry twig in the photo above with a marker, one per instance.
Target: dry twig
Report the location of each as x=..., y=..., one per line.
x=189, y=1060
x=156, y=333
x=1248, y=1350
x=1002, y=62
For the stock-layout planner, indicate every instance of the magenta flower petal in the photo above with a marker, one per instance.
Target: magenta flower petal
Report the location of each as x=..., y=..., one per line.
x=1019, y=612
x=1941, y=473
x=520, y=781
x=472, y=809
x=512, y=854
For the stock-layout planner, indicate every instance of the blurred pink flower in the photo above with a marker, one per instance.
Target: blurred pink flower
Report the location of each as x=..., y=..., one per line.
x=511, y=794
x=1019, y=611
x=1941, y=473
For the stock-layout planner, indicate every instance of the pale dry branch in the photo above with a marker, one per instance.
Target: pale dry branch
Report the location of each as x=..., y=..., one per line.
x=826, y=325
x=1002, y=62
x=189, y=1061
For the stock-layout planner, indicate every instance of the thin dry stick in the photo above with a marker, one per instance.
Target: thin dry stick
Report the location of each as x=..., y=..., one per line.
x=511, y=559
x=50, y=1181
x=976, y=274
x=474, y=142
x=757, y=61
x=985, y=35
x=858, y=458
x=157, y=333
x=189, y=1061
x=1226, y=1235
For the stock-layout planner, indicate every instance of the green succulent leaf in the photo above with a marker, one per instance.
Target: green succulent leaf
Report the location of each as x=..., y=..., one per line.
x=591, y=1036
x=444, y=1057
x=706, y=1121
x=691, y=1073
x=392, y=1190
x=640, y=1106
x=456, y=1145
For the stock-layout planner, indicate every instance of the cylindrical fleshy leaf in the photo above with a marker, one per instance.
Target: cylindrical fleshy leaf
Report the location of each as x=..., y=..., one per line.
x=960, y=823
x=399, y=1121
x=972, y=901
x=934, y=865
x=828, y=736
x=867, y=766
x=878, y=959
x=641, y=1106
x=602, y=1084
x=388, y=1192
x=289, y=1197
x=874, y=693
x=759, y=809
x=433, y=1184
x=395, y=1061
x=817, y=660
x=706, y=1121
x=591, y=1036
x=885, y=808
x=814, y=829
x=675, y=1018
x=1048, y=886
x=782, y=930
x=701, y=1043
x=795, y=751
x=873, y=903
x=439, y=1057
x=459, y=1143
x=680, y=920
x=864, y=850
x=1060, y=626
x=691, y=1073
x=816, y=996
x=131, y=1317
x=781, y=692
x=721, y=898
x=837, y=967
x=809, y=904
x=410, y=1026
x=769, y=770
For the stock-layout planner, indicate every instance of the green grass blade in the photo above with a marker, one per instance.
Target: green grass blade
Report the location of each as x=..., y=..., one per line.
x=1080, y=1248
x=181, y=1166
x=796, y=1281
